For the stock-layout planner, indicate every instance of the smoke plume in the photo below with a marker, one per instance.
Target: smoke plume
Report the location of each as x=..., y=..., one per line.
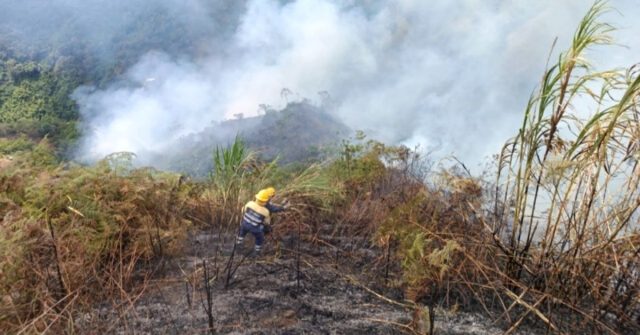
x=449, y=75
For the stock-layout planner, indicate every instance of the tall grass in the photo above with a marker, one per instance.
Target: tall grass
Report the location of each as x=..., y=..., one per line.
x=567, y=199
x=559, y=245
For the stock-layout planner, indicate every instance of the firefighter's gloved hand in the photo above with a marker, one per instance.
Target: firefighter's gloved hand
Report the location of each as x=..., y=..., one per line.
x=266, y=229
x=286, y=205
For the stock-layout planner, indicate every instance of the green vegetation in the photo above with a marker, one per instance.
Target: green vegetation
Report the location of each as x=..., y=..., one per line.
x=10, y=146
x=35, y=102
x=38, y=74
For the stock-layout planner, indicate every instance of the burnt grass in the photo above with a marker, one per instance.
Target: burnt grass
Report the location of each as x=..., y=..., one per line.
x=324, y=291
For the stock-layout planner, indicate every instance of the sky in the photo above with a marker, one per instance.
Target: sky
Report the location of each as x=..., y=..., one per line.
x=451, y=76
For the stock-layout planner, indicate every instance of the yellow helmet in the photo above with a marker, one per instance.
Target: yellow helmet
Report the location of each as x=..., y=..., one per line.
x=264, y=195
x=271, y=191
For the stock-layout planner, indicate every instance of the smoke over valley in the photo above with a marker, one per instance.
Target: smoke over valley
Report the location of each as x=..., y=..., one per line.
x=450, y=76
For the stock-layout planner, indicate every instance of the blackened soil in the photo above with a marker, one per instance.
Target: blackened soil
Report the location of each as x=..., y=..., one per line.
x=275, y=293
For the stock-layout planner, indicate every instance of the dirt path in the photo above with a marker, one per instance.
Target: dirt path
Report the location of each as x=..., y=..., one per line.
x=265, y=295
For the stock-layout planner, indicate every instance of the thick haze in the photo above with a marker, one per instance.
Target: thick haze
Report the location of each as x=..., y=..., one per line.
x=451, y=75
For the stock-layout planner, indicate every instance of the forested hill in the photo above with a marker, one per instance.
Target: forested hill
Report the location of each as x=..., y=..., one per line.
x=46, y=55
x=301, y=132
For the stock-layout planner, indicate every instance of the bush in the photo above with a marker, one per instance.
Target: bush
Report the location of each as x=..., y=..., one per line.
x=10, y=146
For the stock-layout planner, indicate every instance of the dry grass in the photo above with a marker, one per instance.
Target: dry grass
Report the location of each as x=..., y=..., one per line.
x=556, y=241
x=71, y=236
x=567, y=200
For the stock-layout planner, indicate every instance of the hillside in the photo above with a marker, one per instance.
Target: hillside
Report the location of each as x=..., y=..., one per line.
x=299, y=133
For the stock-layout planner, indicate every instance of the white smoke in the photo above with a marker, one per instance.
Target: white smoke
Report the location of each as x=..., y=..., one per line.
x=454, y=75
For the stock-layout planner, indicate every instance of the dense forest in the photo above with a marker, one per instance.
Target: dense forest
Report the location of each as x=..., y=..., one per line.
x=546, y=242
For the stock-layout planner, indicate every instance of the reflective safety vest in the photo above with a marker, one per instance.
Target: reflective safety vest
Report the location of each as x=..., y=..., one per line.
x=256, y=215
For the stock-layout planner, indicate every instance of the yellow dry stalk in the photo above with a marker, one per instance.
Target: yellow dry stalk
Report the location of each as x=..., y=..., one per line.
x=440, y=259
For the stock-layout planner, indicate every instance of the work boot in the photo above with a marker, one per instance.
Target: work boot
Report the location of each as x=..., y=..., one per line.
x=238, y=245
x=239, y=249
x=239, y=239
x=257, y=251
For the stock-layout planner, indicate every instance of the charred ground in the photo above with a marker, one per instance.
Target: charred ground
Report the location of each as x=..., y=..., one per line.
x=322, y=289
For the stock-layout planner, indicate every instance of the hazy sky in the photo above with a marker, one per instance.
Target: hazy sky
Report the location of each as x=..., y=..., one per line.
x=451, y=75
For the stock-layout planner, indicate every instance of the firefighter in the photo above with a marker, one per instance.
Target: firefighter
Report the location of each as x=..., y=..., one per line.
x=256, y=217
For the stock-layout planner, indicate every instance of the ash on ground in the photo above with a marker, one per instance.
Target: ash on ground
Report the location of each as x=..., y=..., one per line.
x=283, y=291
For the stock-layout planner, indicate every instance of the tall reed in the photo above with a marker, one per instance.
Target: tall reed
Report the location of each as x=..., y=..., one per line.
x=566, y=206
